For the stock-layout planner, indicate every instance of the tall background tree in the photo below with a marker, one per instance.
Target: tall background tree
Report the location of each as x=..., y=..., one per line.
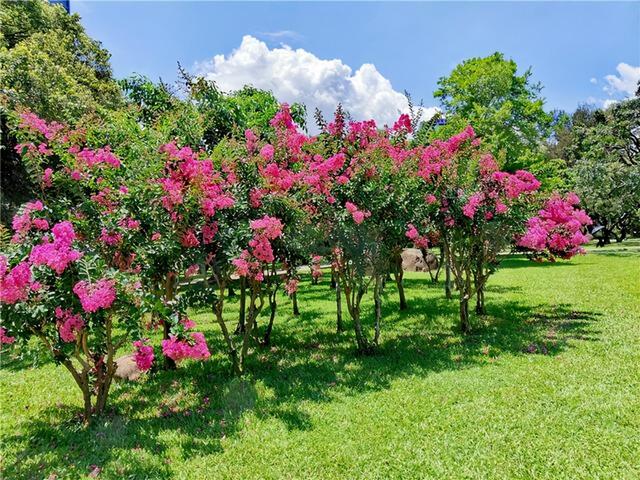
x=606, y=171
x=505, y=109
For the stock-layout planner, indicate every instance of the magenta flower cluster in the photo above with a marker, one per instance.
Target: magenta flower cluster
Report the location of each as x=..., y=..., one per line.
x=56, y=254
x=69, y=324
x=143, y=354
x=194, y=347
x=558, y=228
x=94, y=296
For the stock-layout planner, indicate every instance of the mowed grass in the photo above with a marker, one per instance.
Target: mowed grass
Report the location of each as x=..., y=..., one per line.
x=548, y=386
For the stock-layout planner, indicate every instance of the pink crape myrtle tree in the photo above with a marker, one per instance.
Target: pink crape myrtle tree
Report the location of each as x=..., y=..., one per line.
x=185, y=207
x=558, y=230
x=67, y=277
x=361, y=194
x=477, y=210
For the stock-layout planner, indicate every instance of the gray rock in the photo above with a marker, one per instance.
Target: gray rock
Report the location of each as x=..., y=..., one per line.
x=413, y=261
x=127, y=368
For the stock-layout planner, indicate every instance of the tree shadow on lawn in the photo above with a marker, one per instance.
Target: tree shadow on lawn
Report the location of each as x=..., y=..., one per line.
x=190, y=411
x=521, y=261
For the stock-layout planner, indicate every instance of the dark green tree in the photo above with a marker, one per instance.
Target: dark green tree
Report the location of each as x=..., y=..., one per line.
x=505, y=109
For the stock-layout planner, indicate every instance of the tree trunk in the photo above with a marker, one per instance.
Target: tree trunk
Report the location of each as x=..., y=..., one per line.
x=440, y=262
x=363, y=344
x=339, y=326
x=169, y=294
x=273, y=305
x=243, y=306
x=465, y=295
x=480, y=308
x=82, y=380
x=250, y=325
x=479, y=279
x=231, y=348
x=447, y=278
x=399, y=277
x=294, y=299
x=465, y=325
x=378, y=309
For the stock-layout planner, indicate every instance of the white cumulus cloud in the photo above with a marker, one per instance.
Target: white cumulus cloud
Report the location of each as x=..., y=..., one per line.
x=625, y=82
x=296, y=75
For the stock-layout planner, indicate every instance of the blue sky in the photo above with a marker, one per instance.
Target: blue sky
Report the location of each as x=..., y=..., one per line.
x=571, y=47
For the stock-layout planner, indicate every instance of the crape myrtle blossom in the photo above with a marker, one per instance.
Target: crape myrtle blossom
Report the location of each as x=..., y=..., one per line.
x=418, y=240
x=358, y=215
x=15, y=283
x=187, y=345
x=316, y=267
x=558, y=228
x=94, y=296
x=189, y=176
x=249, y=263
x=4, y=338
x=291, y=286
x=56, y=254
x=69, y=324
x=143, y=354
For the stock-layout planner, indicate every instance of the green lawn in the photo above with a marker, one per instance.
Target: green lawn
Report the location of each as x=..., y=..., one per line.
x=431, y=404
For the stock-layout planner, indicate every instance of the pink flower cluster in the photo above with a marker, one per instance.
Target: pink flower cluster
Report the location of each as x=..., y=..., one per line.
x=316, y=268
x=24, y=222
x=246, y=266
x=4, y=338
x=188, y=175
x=474, y=201
x=291, y=286
x=143, y=355
x=403, y=124
x=519, y=183
x=31, y=121
x=56, y=254
x=110, y=238
x=16, y=283
x=278, y=179
x=418, y=240
x=102, y=156
x=94, y=296
x=195, y=347
x=189, y=239
x=357, y=214
x=249, y=263
x=69, y=325
x=558, y=228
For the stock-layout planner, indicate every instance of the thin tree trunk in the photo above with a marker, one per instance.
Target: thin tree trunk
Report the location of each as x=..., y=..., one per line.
x=250, y=324
x=339, y=326
x=243, y=306
x=447, y=277
x=378, y=309
x=399, y=277
x=480, y=308
x=169, y=293
x=82, y=380
x=465, y=295
x=294, y=299
x=273, y=305
x=231, y=348
x=465, y=326
x=479, y=278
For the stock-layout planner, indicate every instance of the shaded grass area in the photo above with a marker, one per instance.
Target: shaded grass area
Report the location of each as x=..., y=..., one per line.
x=547, y=386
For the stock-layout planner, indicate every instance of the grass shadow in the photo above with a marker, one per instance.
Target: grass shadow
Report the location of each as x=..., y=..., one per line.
x=200, y=404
